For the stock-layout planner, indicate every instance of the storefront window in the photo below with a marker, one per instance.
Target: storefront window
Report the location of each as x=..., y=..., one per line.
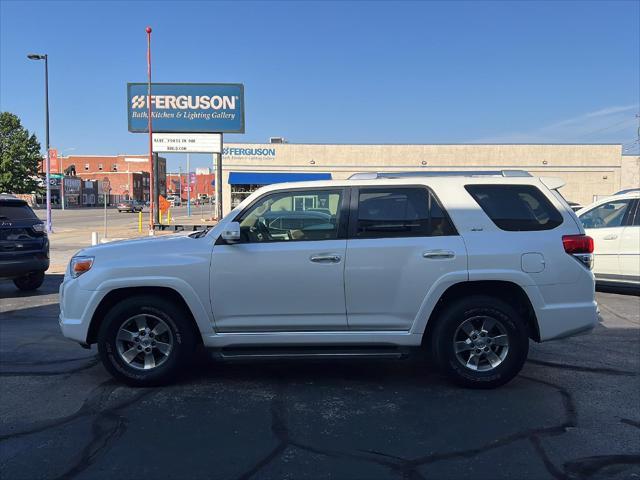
x=240, y=192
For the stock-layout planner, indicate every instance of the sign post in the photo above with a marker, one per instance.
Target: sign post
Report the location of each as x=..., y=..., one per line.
x=106, y=187
x=219, y=185
x=152, y=198
x=62, y=192
x=189, y=185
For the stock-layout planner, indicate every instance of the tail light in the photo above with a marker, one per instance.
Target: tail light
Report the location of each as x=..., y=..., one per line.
x=581, y=247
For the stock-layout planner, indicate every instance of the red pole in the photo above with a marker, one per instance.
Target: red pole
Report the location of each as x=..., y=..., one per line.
x=151, y=177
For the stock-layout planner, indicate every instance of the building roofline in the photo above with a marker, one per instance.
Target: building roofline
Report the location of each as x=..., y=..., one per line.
x=117, y=155
x=429, y=144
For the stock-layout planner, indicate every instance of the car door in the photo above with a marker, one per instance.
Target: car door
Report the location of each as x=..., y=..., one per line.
x=629, y=258
x=287, y=271
x=400, y=243
x=605, y=223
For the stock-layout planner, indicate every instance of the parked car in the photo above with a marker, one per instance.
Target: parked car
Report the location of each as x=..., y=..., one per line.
x=469, y=268
x=614, y=225
x=24, y=246
x=130, y=206
x=628, y=190
x=174, y=200
x=575, y=206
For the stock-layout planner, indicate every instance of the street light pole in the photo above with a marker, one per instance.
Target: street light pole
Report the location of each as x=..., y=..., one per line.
x=45, y=57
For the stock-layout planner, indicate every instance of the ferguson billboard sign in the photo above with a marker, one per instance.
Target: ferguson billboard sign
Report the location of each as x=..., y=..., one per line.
x=186, y=107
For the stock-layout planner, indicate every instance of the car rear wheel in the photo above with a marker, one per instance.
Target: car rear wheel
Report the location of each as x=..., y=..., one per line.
x=32, y=281
x=146, y=341
x=480, y=342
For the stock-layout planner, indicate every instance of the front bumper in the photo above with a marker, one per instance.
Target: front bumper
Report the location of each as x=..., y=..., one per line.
x=76, y=310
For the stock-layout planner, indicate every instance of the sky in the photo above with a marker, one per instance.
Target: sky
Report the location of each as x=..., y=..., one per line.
x=334, y=72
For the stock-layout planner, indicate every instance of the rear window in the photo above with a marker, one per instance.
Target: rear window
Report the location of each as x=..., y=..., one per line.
x=400, y=212
x=516, y=208
x=16, y=211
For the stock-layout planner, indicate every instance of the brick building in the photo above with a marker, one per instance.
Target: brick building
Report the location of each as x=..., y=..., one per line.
x=204, y=183
x=128, y=175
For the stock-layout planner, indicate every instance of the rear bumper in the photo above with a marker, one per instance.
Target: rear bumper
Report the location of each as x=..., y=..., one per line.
x=23, y=265
x=567, y=320
x=566, y=311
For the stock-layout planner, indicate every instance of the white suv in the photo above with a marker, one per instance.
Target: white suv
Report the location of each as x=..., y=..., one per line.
x=468, y=267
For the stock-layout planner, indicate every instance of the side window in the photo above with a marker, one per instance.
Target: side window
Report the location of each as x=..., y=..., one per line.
x=516, y=208
x=295, y=215
x=607, y=215
x=400, y=212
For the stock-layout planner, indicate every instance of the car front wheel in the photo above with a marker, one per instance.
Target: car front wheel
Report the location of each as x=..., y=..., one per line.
x=31, y=281
x=480, y=342
x=146, y=341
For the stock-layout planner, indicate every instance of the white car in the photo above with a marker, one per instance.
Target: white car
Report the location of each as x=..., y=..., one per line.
x=614, y=225
x=468, y=267
x=174, y=200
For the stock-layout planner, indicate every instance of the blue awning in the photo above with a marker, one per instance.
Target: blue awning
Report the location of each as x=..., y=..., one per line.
x=267, y=178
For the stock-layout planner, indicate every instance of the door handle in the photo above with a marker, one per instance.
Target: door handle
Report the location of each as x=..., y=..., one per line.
x=325, y=258
x=438, y=254
x=611, y=236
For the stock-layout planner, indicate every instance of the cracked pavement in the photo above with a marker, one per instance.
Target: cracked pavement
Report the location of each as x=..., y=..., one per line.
x=574, y=412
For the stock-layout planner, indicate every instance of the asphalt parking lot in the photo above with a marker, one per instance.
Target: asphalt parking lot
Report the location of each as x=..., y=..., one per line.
x=574, y=412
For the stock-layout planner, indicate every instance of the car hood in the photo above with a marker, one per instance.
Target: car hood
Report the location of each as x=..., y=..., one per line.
x=137, y=246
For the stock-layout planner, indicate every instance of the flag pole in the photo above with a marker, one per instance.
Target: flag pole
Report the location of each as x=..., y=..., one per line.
x=152, y=206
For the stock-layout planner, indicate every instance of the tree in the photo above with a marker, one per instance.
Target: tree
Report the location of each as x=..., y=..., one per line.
x=19, y=156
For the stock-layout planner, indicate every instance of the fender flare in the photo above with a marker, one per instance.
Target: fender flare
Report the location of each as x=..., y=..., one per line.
x=438, y=289
x=202, y=317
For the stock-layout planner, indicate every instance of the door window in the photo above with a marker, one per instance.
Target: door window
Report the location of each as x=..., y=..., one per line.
x=607, y=215
x=292, y=216
x=400, y=212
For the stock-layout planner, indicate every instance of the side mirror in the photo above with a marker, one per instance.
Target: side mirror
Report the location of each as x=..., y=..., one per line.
x=231, y=232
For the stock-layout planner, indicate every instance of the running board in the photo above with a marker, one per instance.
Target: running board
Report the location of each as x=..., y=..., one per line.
x=296, y=353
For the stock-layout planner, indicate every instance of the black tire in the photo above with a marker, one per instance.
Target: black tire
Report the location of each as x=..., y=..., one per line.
x=180, y=327
x=29, y=282
x=476, y=308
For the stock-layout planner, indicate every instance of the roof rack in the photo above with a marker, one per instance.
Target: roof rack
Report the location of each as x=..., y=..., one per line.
x=440, y=173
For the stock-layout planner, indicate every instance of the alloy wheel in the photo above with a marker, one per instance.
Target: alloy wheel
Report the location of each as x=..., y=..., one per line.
x=144, y=341
x=481, y=343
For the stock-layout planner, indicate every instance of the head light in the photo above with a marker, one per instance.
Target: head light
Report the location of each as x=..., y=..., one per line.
x=80, y=265
x=38, y=227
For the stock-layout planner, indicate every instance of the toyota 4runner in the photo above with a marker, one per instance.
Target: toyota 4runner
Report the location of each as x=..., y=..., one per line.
x=468, y=266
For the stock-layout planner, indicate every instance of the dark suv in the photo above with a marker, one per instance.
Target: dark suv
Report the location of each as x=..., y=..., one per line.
x=24, y=246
